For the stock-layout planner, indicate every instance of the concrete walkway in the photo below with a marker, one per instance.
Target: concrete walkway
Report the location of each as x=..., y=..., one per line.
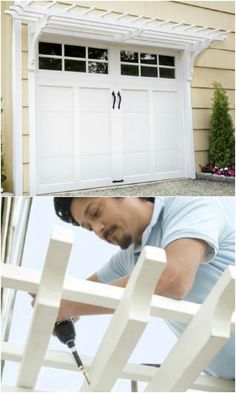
x=176, y=187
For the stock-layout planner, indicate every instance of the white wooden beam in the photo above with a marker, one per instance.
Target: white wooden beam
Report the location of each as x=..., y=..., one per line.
x=63, y=360
x=128, y=322
x=25, y=279
x=8, y=388
x=205, y=335
x=46, y=306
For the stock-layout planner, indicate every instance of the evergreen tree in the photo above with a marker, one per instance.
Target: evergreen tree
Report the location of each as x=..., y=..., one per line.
x=221, y=137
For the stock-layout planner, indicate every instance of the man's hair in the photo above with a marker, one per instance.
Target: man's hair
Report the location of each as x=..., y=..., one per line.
x=62, y=208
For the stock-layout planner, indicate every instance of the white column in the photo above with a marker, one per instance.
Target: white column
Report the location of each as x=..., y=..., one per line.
x=33, y=172
x=17, y=106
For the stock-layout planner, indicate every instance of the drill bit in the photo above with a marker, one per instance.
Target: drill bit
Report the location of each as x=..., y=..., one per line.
x=65, y=332
x=79, y=362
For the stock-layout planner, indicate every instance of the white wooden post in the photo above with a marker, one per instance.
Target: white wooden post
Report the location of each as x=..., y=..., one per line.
x=205, y=335
x=46, y=306
x=128, y=322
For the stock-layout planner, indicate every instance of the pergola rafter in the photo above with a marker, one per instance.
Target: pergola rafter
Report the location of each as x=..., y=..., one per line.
x=107, y=25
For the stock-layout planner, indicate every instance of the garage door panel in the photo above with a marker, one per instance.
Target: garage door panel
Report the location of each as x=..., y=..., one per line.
x=55, y=134
x=167, y=160
x=164, y=102
x=95, y=133
x=94, y=167
x=134, y=101
x=55, y=98
x=85, y=140
x=135, y=131
x=136, y=163
x=166, y=132
x=94, y=100
x=56, y=170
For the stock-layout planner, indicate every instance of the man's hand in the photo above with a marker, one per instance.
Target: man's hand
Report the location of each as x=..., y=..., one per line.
x=66, y=311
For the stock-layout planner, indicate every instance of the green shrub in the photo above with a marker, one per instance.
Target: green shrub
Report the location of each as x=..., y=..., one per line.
x=221, y=136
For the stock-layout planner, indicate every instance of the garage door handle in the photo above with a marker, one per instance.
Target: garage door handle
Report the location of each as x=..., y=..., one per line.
x=118, y=181
x=114, y=100
x=119, y=95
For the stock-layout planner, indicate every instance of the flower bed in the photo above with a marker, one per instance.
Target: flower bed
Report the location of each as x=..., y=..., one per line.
x=228, y=171
x=213, y=173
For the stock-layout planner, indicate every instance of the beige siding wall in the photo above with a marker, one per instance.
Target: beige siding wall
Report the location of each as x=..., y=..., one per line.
x=215, y=63
x=6, y=84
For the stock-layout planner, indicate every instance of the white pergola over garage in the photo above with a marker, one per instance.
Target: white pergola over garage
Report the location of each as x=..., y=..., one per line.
x=110, y=100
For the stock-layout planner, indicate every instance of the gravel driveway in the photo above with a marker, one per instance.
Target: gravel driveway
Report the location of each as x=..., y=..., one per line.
x=176, y=187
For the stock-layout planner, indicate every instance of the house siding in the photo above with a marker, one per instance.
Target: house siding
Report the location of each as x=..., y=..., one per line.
x=213, y=64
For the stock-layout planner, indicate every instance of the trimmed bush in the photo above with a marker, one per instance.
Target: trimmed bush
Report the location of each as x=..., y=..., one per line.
x=221, y=136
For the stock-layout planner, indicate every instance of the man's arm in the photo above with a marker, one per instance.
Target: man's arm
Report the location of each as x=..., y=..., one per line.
x=183, y=259
x=70, y=309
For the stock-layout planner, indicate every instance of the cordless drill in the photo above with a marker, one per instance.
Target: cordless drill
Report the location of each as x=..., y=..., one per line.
x=65, y=332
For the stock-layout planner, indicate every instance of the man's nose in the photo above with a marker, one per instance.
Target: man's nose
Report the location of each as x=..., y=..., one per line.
x=98, y=228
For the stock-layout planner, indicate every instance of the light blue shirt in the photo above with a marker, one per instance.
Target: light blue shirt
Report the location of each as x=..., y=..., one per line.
x=186, y=217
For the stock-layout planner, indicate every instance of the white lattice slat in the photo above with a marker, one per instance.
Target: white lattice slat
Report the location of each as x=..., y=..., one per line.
x=46, y=306
x=128, y=322
x=204, y=336
x=25, y=279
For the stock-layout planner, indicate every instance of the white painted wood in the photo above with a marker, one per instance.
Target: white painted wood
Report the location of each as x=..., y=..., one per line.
x=97, y=25
x=17, y=107
x=128, y=322
x=6, y=388
x=46, y=306
x=186, y=99
x=63, y=360
x=32, y=119
x=210, y=329
x=25, y=279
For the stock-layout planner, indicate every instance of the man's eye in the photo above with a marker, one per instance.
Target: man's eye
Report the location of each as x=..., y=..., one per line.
x=95, y=213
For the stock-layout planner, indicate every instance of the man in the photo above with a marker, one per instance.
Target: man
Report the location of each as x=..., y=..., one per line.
x=195, y=232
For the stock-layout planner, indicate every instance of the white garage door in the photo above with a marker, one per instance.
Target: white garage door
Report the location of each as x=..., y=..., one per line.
x=107, y=115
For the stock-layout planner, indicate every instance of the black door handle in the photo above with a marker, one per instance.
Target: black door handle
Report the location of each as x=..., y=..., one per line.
x=114, y=99
x=119, y=95
x=118, y=181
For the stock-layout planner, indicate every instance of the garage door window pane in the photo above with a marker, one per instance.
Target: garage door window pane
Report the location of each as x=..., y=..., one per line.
x=167, y=60
x=149, y=71
x=75, y=51
x=48, y=63
x=97, y=54
x=148, y=58
x=167, y=73
x=129, y=70
x=97, y=68
x=128, y=56
x=46, y=48
x=74, y=65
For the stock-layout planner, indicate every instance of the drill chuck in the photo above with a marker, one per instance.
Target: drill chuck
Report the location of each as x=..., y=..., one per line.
x=65, y=332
